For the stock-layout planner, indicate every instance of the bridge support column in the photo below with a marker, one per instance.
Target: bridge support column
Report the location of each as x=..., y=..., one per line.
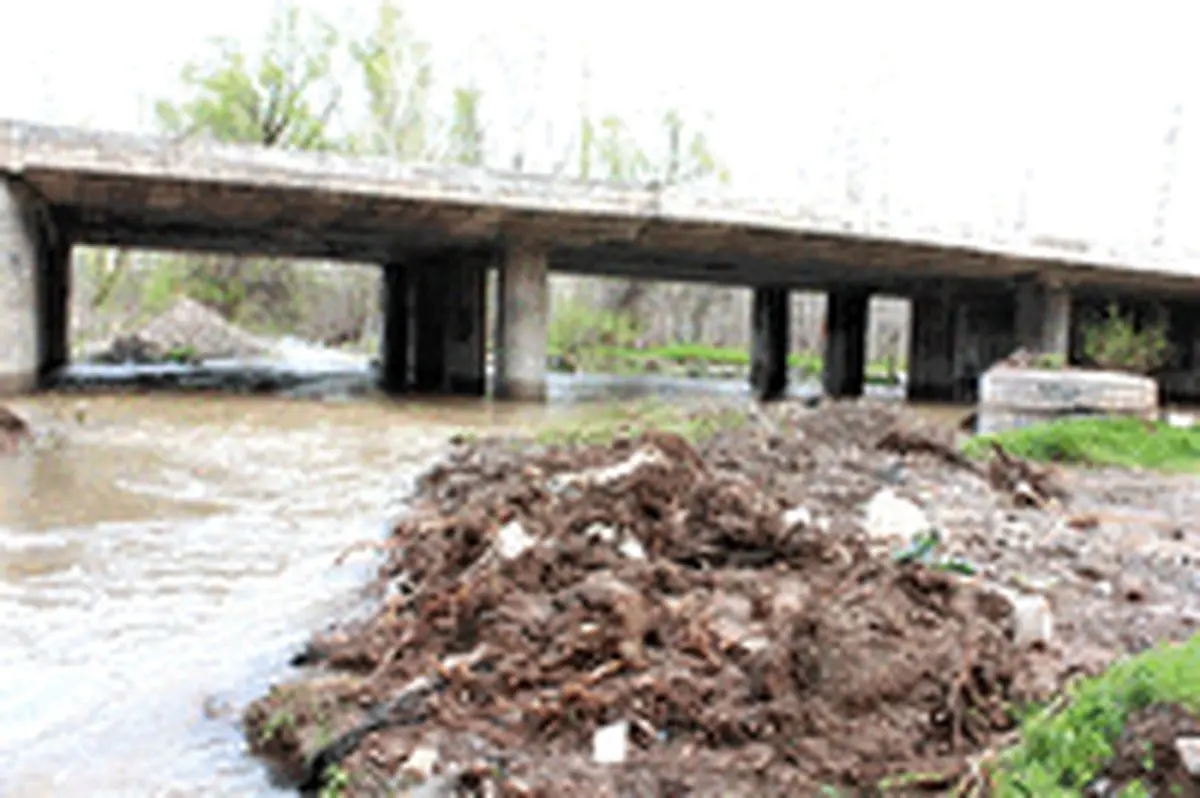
x=521, y=329
x=931, y=349
x=1043, y=319
x=397, y=329
x=466, y=326
x=1179, y=379
x=769, y=346
x=429, y=287
x=984, y=333
x=845, y=342
x=435, y=326
x=34, y=287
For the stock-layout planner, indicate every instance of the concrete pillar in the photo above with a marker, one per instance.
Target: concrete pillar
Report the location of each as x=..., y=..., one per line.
x=397, y=323
x=845, y=342
x=983, y=334
x=34, y=287
x=429, y=287
x=931, y=349
x=1179, y=380
x=769, y=344
x=1184, y=332
x=54, y=300
x=466, y=326
x=521, y=326
x=1043, y=319
x=434, y=338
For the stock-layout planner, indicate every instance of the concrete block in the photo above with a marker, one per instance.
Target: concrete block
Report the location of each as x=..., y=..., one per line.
x=1015, y=397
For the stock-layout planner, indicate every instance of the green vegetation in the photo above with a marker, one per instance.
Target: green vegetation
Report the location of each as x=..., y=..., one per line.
x=692, y=358
x=1062, y=750
x=335, y=784
x=582, y=337
x=1050, y=361
x=1121, y=442
x=1116, y=342
x=279, y=721
x=181, y=354
x=602, y=425
x=577, y=328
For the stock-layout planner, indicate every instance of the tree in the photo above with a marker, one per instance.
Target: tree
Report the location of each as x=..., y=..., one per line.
x=611, y=146
x=466, y=128
x=284, y=98
x=397, y=73
x=687, y=158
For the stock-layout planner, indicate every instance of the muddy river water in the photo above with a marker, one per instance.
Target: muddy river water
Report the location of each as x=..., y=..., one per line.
x=162, y=555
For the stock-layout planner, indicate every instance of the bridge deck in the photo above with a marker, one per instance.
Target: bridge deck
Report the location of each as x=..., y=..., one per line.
x=108, y=188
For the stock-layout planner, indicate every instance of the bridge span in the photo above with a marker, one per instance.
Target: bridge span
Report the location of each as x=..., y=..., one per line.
x=436, y=231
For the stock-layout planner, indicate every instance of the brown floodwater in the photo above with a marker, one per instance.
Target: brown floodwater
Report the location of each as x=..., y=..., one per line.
x=161, y=558
x=163, y=555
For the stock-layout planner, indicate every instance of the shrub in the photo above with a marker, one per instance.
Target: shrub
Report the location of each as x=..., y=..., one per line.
x=1115, y=342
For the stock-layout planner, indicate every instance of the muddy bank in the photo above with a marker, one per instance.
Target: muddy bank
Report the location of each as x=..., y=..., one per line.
x=1149, y=752
x=820, y=598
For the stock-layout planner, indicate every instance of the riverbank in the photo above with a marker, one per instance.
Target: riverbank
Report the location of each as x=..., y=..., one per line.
x=760, y=610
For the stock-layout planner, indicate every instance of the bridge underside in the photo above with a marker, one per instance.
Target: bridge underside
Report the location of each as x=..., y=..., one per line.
x=969, y=307
x=291, y=221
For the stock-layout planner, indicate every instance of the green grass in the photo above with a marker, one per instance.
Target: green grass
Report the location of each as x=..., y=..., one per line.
x=684, y=354
x=602, y=425
x=1061, y=752
x=1121, y=442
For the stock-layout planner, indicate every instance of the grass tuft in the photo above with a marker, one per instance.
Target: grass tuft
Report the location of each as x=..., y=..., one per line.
x=1120, y=442
x=1062, y=752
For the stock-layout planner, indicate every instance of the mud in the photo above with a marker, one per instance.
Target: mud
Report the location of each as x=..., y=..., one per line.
x=1147, y=753
x=653, y=618
x=14, y=432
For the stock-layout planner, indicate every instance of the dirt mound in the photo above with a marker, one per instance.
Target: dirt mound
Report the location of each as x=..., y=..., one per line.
x=553, y=613
x=14, y=431
x=189, y=332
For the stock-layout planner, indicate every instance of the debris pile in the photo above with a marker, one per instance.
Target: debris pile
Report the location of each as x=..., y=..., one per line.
x=647, y=619
x=187, y=332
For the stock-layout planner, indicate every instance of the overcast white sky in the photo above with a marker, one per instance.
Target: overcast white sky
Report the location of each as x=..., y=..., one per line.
x=955, y=105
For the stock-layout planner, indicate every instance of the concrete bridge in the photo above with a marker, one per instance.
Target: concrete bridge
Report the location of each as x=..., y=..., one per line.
x=437, y=231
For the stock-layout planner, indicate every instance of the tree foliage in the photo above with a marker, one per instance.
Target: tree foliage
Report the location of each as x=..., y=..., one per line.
x=285, y=97
x=611, y=148
x=466, y=128
x=397, y=73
